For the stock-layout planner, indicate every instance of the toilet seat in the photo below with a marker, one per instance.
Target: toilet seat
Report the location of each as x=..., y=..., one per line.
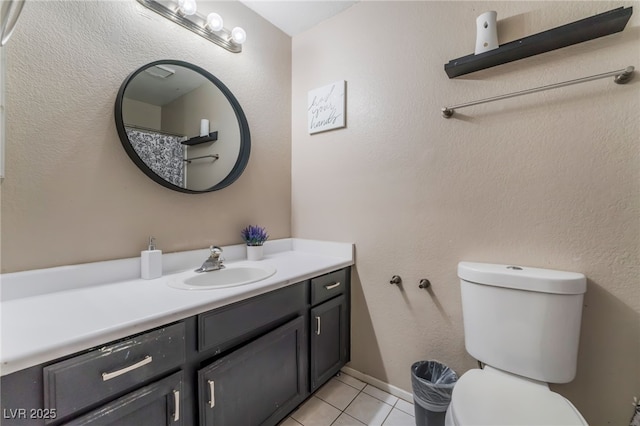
x=492, y=397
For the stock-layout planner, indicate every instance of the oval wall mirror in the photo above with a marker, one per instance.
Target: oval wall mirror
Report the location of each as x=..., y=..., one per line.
x=182, y=127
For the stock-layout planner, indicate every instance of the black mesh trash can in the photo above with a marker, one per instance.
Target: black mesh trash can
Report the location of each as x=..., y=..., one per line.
x=433, y=384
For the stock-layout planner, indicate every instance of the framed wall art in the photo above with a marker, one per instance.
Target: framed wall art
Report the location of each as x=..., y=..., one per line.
x=326, y=107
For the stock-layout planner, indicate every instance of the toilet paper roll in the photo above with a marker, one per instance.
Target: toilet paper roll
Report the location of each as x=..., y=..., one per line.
x=486, y=32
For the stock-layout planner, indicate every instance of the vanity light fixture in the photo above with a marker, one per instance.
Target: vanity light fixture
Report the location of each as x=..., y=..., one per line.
x=187, y=7
x=238, y=35
x=214, y=22
x=184, y=13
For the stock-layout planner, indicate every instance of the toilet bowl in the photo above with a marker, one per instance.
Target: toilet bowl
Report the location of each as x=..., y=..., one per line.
x=495, y=398
x=523, y=324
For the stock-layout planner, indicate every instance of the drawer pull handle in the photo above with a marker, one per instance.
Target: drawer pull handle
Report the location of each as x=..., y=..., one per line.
x=318, y=326
x=212, y=392
x=109, y=376
x=176, y=404
x=332, y=286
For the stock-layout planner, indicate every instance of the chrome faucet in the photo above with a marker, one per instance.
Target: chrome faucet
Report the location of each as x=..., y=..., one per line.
x=213, y=262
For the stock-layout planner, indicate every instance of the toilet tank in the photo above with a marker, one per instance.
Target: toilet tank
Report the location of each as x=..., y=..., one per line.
x=523, y=320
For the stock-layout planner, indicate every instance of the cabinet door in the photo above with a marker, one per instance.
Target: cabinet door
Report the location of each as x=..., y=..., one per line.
x=329, y=340
x=158, y=404
x=259, y=383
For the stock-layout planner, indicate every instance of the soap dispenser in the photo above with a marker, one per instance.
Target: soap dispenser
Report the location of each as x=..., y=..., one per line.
x=151, y=261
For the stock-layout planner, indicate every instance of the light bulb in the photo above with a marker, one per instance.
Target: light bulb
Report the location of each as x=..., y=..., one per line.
x=187, y=7
x=238, y=35
x=214, y=22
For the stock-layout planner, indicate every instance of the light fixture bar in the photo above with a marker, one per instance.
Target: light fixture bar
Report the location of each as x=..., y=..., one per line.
x=195, y=23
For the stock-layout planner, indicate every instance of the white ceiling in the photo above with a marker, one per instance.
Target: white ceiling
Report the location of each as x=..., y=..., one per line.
x=296, y=16
x=150, y=89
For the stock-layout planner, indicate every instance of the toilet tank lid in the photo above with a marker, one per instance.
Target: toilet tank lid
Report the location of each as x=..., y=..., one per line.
x=523, y=278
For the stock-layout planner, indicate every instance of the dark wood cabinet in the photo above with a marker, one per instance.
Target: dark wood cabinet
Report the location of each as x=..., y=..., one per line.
x=259, y=383
x=158, y=404
x=74, y=384
x=249, y=363
x=329, y=345
x=226, y=327
x=329, y=325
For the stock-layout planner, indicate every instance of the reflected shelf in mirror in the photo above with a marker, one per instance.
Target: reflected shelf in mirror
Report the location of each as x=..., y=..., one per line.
x=197, y=140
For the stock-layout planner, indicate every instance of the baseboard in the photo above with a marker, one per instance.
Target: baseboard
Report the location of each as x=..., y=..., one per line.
x=395, y=391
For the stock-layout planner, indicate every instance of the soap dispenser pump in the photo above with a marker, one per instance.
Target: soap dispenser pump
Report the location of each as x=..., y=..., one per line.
x=151, y=261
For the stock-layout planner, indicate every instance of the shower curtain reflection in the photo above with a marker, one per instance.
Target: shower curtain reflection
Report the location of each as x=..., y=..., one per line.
x=162, y=153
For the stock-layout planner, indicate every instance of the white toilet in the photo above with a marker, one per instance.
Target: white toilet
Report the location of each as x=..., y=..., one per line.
x=524, y=325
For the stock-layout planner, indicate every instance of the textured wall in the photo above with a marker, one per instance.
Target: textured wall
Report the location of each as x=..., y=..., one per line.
x=549, y=180
x=72, y=195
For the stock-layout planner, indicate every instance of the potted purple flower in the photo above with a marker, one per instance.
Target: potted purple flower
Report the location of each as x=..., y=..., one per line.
x=254, y=237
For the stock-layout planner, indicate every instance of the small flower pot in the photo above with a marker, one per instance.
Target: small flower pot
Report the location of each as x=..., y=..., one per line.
x=255, y=252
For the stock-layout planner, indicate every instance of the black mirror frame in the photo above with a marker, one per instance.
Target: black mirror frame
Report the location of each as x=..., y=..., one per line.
x=245, y=135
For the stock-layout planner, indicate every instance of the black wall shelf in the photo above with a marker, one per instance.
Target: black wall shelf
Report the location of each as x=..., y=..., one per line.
x=213, y=136
x=586, y=29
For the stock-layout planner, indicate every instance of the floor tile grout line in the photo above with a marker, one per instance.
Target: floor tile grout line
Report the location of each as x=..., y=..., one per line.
x=369, y=384
x=345, y=409
x=338, y=408
x=396, y=407
x=388, y=414
x=363, y=392
x=360, y=391
x=373, y=396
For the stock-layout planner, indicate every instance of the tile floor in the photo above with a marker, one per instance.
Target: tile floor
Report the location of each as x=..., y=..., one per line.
x=346, y=401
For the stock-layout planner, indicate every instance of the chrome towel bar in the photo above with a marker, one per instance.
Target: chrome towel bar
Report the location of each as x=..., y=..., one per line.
x=621, y=77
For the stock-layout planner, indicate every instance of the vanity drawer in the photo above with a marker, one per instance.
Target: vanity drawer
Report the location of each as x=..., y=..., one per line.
x=329, y=285
x=84, y=380
x=224, y=327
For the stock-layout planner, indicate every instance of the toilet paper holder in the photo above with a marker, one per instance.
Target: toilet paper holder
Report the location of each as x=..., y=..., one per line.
x=424, y=283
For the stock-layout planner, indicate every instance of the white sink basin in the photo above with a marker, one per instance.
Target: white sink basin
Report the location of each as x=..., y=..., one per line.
x=230, y=276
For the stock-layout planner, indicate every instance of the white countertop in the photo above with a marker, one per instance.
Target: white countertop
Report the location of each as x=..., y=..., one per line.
x=50, y=313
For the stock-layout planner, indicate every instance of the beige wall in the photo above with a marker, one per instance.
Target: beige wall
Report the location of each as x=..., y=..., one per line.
x=549, y=180
x=71, y=194
x=141, y=114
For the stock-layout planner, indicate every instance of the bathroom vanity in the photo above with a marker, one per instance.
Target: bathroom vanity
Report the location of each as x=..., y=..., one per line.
x=247, y=356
